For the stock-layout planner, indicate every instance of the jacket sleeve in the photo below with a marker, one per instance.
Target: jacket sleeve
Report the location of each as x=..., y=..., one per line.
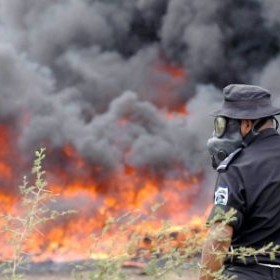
x=229, y=194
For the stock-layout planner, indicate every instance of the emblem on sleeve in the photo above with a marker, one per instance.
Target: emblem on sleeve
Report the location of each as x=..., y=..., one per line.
x=221, y=196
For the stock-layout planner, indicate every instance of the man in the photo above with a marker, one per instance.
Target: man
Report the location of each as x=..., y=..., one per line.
x=245, y=151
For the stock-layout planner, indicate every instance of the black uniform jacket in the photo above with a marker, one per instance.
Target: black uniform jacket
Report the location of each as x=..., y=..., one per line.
x=251, y=185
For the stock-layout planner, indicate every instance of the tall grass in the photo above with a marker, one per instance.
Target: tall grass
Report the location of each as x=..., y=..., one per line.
x=32, y=213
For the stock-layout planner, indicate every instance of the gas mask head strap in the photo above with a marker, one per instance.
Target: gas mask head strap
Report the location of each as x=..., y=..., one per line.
x=276, y=123
x=255, y=131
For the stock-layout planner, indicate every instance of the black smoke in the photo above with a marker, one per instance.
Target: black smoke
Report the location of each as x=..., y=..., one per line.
x=77, y=68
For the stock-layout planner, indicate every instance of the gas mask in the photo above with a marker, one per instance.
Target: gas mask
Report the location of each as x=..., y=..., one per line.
x=226, y=139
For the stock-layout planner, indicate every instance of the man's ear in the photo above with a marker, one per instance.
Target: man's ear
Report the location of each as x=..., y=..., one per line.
x=245, y=127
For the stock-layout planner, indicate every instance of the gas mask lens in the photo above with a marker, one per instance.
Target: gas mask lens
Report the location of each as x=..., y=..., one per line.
x=226, y=139
x=220, y=124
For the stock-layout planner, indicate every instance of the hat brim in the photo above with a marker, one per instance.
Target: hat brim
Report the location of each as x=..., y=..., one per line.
x=247, y=114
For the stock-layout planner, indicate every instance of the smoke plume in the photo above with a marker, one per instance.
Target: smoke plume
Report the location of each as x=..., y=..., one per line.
x=103, y=76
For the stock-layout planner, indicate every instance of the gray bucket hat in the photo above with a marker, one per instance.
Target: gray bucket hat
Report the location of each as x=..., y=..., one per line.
x=246, y=102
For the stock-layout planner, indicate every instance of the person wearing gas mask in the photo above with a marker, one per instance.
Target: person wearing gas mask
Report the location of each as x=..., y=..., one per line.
x=245, y=151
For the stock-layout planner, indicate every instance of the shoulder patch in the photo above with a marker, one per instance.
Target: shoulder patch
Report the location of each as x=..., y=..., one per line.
x=221, y=196
x=225, y=163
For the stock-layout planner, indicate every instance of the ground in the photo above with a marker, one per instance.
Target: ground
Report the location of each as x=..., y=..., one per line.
x=133, y=270
x=133, y=274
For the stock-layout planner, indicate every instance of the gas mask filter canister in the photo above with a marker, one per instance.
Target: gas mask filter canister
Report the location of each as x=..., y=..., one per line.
x=226, y=139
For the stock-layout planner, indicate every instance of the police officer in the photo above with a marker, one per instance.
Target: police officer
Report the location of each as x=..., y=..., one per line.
x=245, y=151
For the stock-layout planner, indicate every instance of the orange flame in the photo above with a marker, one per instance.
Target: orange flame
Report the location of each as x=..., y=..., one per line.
x=97, y=201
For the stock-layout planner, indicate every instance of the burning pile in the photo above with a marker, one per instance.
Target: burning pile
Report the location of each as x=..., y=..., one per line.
x=127, y=198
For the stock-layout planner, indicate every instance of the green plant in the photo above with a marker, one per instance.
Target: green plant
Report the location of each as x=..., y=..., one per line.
x=162, y=259
x=241, y=254
x=159, y=258
x=33, y=212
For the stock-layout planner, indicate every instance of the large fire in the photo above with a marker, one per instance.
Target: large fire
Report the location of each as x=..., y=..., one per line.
x=126, y=201
x=129, y=193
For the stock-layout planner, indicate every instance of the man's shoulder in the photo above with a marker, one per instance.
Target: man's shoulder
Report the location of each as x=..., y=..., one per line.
x=223, y=166
x=265, y=149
